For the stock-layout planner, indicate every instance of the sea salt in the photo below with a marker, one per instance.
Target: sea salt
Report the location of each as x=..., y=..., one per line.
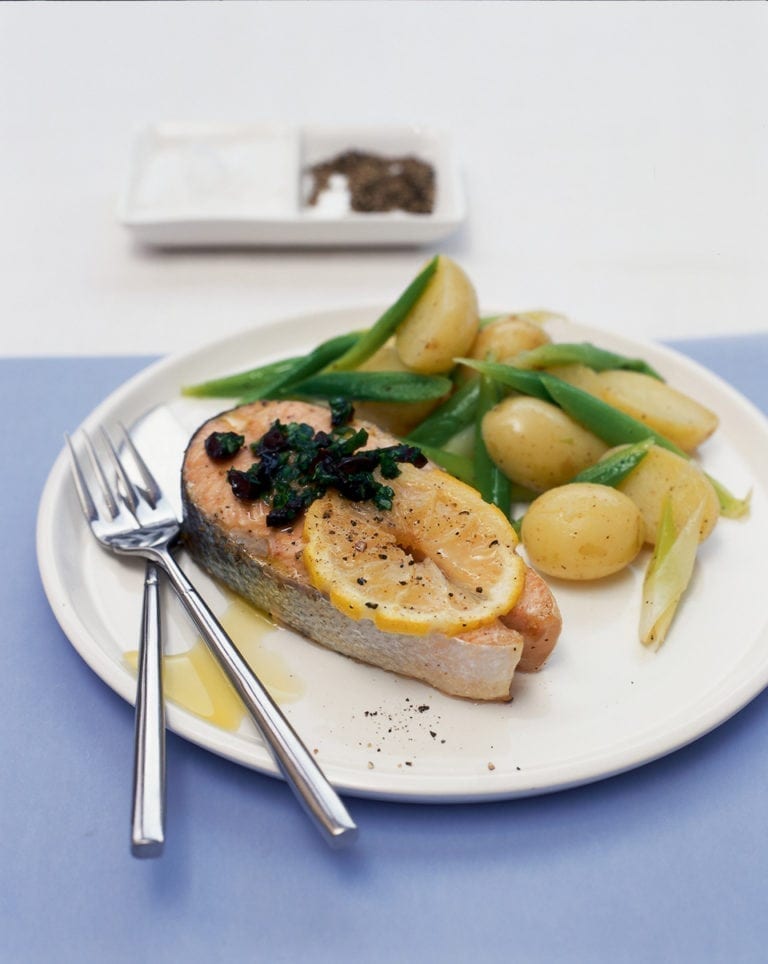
x=245, y=172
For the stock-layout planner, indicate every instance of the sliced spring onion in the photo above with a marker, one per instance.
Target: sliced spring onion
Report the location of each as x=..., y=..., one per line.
x=669, y=573
x=731, y=507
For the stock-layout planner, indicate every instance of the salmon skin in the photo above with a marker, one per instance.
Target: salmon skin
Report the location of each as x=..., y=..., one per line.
x=230, y=539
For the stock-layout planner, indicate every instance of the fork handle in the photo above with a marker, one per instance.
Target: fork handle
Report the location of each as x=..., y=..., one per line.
x=297, y=765
x=148, y=813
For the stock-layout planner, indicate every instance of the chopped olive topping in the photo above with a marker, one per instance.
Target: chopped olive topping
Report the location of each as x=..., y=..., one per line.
x=221, y=446
x=342, y=411
x=297, y=465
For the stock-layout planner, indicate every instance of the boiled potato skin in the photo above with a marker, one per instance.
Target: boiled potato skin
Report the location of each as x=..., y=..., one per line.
x=582, y=531
x=580, y=376
x=663, y=473
x=443, y=324
x=668, y=411
x=506, y=337
x=537, y=445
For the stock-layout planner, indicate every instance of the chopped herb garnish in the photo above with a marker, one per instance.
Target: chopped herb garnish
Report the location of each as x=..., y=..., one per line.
x=297, y=465
x=342, y=411
x=221, y=446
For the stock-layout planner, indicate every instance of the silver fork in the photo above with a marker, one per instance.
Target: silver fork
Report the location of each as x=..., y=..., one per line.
x=141, y=521
x=148, y=806
x=148, y=800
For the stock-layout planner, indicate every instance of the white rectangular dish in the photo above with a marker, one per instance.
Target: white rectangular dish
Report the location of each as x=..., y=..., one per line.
x=198, y=185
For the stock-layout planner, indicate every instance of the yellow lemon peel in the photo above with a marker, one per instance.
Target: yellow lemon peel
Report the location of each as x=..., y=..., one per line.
x=441, y=560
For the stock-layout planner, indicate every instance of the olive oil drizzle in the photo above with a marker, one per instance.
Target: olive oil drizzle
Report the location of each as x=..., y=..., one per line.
x=194, y=681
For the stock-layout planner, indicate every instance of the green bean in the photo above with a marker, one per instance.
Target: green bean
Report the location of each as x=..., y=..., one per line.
x=490, y=481
x=261, y=381
x=600, y=418
x=305, y=366
x=448, y=419
x=606, y=422
x=603, y=420
x=614, y=468
x=616, y=428
x=581, y=353
x=460, y=466
x=610, y=470
x=371, y=386
x=231, y=386
x=463, y=468
x=375, y=337
x=519, y=493
x=520, y=379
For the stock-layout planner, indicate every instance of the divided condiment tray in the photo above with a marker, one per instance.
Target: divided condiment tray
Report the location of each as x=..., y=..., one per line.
x=199, y=185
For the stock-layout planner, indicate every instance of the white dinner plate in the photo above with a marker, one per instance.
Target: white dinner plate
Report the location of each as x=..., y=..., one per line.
x=603, y=703
x=203, y=185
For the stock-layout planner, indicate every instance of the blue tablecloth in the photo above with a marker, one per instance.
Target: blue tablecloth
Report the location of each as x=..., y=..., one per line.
x=664, y=863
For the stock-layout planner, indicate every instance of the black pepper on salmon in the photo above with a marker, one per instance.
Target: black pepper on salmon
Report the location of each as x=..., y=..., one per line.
x=265, y=560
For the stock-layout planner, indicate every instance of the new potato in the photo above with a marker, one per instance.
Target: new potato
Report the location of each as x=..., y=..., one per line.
x=582, y=531
x=506, y=337
x=668, y=411
x=537, y=445
x=443, y=324
x=580, y=376
x=663, y=473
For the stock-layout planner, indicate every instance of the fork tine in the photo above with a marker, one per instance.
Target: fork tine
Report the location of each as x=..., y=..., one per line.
x=128, y=490
x=98, y=468
x=83, y=493
x=152, y=489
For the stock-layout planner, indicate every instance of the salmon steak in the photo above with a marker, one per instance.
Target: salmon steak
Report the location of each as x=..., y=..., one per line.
x=402, y=567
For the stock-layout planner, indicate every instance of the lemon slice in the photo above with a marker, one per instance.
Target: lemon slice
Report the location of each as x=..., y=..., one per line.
x=441, y=560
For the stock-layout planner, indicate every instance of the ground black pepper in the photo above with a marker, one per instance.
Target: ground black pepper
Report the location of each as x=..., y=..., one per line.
x=378, y=183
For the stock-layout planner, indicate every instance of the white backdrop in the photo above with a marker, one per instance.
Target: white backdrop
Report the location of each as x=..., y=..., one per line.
x=614, y=157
